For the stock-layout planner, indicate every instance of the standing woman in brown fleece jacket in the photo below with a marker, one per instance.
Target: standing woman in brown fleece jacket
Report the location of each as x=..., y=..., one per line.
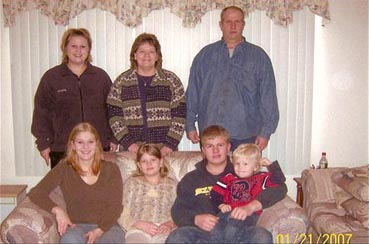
x=92, y=190
x=72, y=92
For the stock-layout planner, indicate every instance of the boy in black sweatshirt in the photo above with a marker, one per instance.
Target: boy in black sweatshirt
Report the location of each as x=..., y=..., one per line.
x=193, y=211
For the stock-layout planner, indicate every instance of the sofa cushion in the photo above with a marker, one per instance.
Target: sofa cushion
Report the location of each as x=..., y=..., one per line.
x=354, y=181
x=358, y=210
x=328, y=219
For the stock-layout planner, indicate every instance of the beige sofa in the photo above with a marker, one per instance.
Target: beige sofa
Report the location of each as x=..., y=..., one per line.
x=30, y=224
x=337, y=204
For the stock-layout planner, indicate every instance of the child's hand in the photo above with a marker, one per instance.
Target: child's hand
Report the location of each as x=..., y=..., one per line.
x=241, y=213
x=265, y=162
x=224, y=208
x=147, y=227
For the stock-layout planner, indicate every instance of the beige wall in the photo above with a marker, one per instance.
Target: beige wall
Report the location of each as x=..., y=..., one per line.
x=340, y=113
x=340, y=108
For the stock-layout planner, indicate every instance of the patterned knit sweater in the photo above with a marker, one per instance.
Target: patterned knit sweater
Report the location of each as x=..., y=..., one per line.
x=143, y=201
x=165, y=110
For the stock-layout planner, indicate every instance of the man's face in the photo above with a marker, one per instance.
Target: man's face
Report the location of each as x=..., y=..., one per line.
x=232, y=25
x=216, y=150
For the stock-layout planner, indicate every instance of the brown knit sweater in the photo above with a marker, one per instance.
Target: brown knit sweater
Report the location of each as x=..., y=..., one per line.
x=99, y=203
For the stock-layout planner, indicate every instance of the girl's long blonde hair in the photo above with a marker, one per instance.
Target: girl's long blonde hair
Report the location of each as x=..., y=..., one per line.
x=152, y=150
x=71, y=157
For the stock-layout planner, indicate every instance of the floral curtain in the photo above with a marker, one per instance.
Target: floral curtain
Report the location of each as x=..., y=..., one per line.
x=131, y=12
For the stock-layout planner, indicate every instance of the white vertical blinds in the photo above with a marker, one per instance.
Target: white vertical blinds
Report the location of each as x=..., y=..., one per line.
x=34, y=48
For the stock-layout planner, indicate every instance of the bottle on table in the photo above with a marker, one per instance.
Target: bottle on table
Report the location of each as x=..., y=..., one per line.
x=323, y=162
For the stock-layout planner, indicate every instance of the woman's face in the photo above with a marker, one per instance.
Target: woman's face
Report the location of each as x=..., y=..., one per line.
x=150, y=165
x=85, y=146
x=146, y=56
x=77, y=50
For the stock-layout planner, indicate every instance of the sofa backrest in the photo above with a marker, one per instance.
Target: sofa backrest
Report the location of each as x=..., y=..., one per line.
x=179, y=163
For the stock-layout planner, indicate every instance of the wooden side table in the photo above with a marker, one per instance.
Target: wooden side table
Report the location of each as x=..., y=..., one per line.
x=10, y=197
x=300, y=194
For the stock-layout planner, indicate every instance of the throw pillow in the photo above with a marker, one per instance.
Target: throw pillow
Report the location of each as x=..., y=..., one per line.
x=358, y=209
x=354, y=181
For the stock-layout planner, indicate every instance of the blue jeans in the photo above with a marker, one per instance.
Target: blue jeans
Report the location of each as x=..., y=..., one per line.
x=227, y=228
x=191, y=234
x=77, y=234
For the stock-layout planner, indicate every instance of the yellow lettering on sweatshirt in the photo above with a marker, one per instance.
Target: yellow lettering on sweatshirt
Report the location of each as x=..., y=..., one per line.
x=204, y=190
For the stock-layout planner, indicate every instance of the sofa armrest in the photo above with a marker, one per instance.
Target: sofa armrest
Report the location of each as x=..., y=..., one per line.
x=286, y=218
x=318, y=187
x=28, y=223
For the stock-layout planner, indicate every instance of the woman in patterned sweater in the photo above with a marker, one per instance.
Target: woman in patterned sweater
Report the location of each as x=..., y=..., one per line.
x=147, y=199
x=146, y=103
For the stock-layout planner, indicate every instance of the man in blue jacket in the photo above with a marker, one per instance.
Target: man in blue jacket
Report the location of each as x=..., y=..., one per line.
x=232, y=84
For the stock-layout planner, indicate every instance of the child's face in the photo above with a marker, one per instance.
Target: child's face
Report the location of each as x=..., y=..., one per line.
x=245, y=167
x=216, y=150
x=150, y=165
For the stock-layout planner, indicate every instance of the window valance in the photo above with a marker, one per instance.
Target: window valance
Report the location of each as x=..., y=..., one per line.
x=131, y=12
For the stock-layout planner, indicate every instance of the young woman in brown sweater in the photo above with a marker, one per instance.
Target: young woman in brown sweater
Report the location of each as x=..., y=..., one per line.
x=92, y=190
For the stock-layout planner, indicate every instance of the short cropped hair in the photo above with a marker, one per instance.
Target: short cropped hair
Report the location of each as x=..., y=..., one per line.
x=150, y=39
x=214, y=131
x=233, y=8
x=248, y=150
x=68, y=34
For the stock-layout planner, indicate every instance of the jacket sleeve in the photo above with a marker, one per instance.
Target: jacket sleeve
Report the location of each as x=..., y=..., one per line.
x=107, y=87
x=44, y=106
x=276, y=189
x=192, y=96
x=217, y=193
x=268, y=97
x=178, y=114
x=183, y=210
x=116, y=114
x=277, y=176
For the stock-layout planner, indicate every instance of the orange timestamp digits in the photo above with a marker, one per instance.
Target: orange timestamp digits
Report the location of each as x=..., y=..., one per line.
x=303, y=238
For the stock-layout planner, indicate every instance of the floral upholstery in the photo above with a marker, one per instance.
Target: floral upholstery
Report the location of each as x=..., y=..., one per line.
x=30, y=224
x=334, y=199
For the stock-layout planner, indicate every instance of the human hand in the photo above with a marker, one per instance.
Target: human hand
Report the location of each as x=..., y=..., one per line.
x=224, y=208
x=166, y=227
x=147, y=227
x=93, y=235
x=193, y=136
x=45, y=154
x=206, y=221
x=133, y=148
x=113, y=147
x=265, y=162
x=241, y=213
x=165, y=151
x=62, y=219
x=262, y=142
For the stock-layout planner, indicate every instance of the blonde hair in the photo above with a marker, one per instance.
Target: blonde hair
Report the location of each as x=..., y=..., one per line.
x=214, y=131
x=152, y=150
x=150, y=39
x=68, y=34
x=250, y=151
x=71, y=157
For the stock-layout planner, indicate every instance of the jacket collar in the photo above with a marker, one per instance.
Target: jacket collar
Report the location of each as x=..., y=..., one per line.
x=65, y=71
